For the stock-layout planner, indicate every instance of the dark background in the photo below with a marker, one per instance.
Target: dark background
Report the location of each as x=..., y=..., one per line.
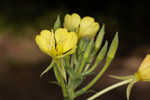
x=21, y=61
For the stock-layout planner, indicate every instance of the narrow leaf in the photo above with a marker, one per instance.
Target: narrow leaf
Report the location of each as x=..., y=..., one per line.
x=47, y=69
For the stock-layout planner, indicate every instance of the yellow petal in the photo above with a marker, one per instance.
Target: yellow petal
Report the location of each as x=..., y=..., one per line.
x=144, y=69
x=65, y=40
x=88, y=27
x=145, y=63
x=71, y=22
x=45, y=42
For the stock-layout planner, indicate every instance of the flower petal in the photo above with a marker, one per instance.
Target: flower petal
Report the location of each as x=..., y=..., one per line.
x=45, y=42
x=88, y=27
x=65, y=39
x=71, y=21
x=144, y=69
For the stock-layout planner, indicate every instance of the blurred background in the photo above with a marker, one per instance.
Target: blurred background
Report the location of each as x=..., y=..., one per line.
x=21, y=61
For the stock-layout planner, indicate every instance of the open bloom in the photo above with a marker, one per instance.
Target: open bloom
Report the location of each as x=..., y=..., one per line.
x=71, y=22
x=57, y=44
x=88, y=27
x=143, y=73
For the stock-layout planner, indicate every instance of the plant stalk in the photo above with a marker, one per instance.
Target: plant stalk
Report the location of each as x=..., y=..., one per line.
x=110, y=88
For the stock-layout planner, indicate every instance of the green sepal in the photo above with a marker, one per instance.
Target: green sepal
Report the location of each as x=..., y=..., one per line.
x=102, y=53
x=82, y=47
x=47, y=69
x=99, y=38
x=88, y=49
x=86, y=55
x=129, y=88
x=98, y=59
x=57, y=23
x=113, y=47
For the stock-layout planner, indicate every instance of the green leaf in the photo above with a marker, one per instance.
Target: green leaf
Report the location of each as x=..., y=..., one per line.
x=99, y=38
x=47, y=69
x=57, y=23
x=113, y=47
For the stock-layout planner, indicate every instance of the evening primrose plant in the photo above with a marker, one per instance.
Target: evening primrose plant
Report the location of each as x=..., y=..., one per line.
x=72, y=45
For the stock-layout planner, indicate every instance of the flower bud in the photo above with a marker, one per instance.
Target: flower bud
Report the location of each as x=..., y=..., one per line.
x=144, y=69
x=71, y=22
x=88, y=27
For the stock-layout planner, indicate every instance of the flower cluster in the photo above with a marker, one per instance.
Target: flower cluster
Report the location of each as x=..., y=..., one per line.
x=73, y=46
x=64, y=40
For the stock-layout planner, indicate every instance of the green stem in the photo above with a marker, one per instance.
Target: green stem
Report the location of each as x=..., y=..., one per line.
x=110, y=88
x=86, y=55
x=83, y=90
x=60, y=80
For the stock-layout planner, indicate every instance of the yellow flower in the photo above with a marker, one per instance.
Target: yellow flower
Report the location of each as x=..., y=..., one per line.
x=88, y=27
x=71, y=22
x=143, y=73
x=57, y=44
